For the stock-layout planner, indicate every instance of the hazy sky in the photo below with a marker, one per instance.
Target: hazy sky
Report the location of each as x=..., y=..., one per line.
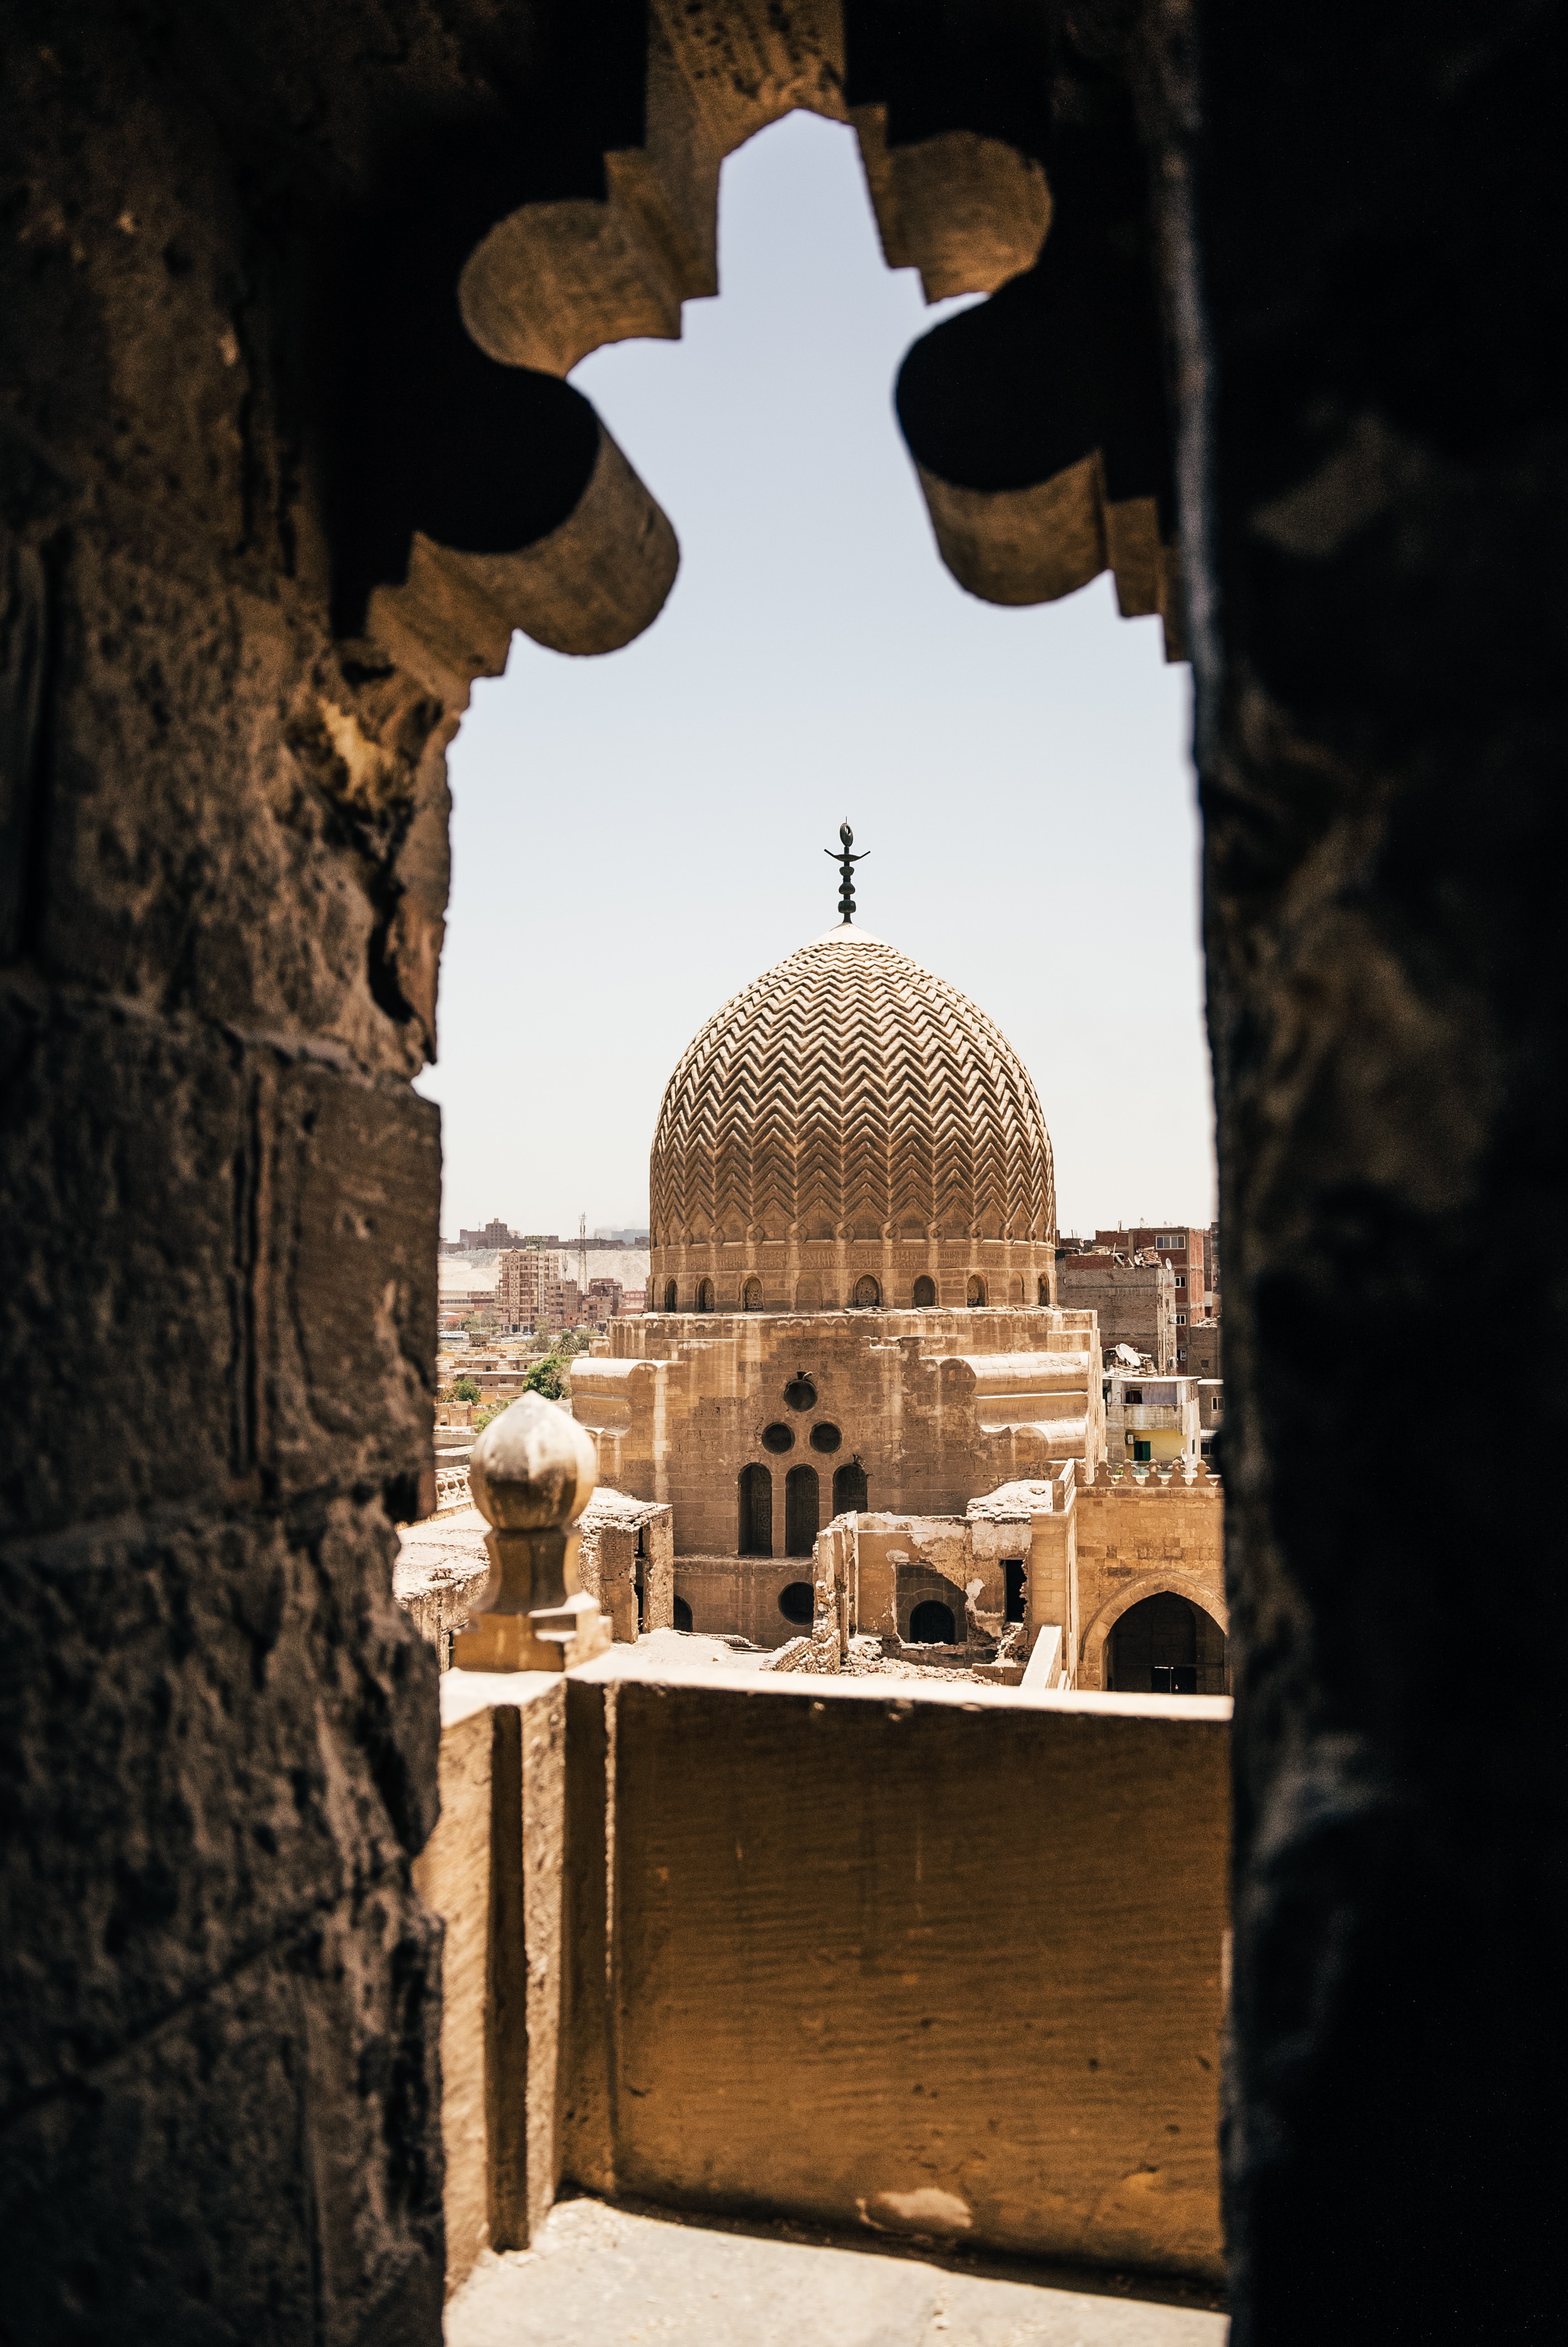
x=637, y=836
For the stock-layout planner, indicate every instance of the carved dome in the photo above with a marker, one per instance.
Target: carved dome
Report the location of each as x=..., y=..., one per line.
x=848, y=1094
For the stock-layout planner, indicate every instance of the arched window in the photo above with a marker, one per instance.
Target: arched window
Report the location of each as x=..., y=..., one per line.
x=977, y=1294
x=1165, y=1645
x=866, y=1292
x=925, y=1294
x=752, y=1296
x=849, y=1490
x=802, y=1510
x=682, y=1615
x=669, y=1295
x=1044, y=1289
x=706, y=1296
x=931, y=1623
x=756, y=1533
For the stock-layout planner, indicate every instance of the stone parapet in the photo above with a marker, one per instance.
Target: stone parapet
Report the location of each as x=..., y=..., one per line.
x=767, y=1945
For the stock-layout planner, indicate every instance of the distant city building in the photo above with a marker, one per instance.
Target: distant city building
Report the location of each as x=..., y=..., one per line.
x=494, y=1235
x=1186, y=1251
x=598, y=1303
x=467, y=1288
x=531, y=1291
x=1135, y=1297
x=1152, y=1417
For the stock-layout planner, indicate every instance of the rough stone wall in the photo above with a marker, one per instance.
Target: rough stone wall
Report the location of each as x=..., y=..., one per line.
x=1135, y=1303
x=623, y=1540
x=1136, y=1538
x=1375, y=479
x=738, y=1596
x=937, y=1407
x=223, y=842
x=442, y=1568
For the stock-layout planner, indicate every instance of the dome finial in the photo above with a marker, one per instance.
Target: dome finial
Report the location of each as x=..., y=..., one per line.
x=847, y=864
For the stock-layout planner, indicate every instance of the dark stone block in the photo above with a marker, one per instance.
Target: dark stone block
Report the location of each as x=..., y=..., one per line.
x=351, y=1295
x=261, y=2170
x=210, y=1734
x=122, y=1332
x=244, y=1251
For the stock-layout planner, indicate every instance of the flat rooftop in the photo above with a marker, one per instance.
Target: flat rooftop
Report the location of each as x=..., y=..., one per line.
x=609, y=2277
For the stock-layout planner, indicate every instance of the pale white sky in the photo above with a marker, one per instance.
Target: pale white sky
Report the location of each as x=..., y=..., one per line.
x=637, y=836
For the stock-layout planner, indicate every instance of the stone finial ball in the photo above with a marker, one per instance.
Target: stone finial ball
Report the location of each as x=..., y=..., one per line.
x=532, y=1467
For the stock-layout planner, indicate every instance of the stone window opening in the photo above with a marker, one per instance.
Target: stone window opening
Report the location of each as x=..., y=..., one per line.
x=868, y=1294
x=827, y=1437
x=799, y=1393
x=756, y=1511
x=682, y=1615
x=778, y=1437
x=850, y=1490
x=670, y=1295
x=1044, y=1287
x=925, y=1294
x=1014, y=1581
x=706, y=1296
x=752, y=1296
x=797, y=1603
x=977, y=1291
x=803, y=1511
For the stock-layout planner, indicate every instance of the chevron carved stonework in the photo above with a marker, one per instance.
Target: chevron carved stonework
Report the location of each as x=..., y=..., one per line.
x=847, y=1127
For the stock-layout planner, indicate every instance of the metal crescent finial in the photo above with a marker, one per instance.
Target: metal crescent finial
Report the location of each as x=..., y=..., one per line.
x=847, y=864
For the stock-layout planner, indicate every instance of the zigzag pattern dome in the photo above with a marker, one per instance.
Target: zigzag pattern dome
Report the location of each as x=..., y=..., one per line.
x=848, y=1093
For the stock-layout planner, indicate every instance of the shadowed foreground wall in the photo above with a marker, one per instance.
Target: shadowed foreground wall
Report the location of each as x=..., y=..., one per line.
x=224, y=846
x=1375, y=472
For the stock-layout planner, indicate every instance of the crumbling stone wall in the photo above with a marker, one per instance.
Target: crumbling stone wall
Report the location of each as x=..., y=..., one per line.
x=627, y=1559
x=223, y=833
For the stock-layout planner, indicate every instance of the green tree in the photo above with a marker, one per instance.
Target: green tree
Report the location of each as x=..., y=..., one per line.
x=464, y=1391
x=548, y=1377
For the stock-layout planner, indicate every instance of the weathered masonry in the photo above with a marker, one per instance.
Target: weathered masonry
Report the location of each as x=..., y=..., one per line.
x=287, y=451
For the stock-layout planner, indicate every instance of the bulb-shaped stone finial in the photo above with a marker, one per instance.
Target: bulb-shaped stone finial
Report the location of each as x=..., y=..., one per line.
x=532, y=1467
x=532, y=1473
